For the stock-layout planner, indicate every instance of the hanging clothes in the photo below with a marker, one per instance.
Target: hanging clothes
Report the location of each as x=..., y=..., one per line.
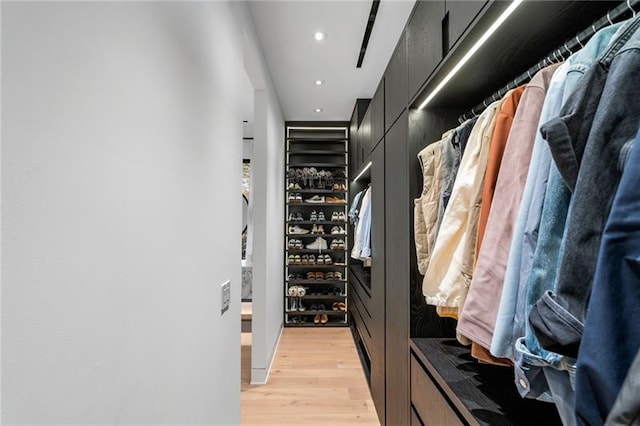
x=449, y=269
x=362, y=238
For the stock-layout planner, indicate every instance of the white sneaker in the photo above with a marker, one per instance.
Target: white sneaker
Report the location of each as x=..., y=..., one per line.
x=319, y=244
x=342, y=217
x=338, y=230
x=298, y=230
x=315, y=199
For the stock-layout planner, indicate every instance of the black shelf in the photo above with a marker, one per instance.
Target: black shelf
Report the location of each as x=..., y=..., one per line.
x=315, y=251
x=323, y=296
x=327, y=165
x=317, y=152
x=316, y=140
x=300, y=265
x=317, y=191
x=303, y=204
x=323, y=148
x=469, y=385
x=308, y=222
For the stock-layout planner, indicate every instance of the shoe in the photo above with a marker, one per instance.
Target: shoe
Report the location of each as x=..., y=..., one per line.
x=297, y=186
x=291, y=187
x=335, y=200
x=335, y=306
x=292, y=217
x=314, y=216
x=297, y=259
x=311, y=275
x=320, y=259
x=319, y=244
x=321, y=307
x=298, y=198
x=337, y=291
x=319, y=275
x=342, y=217
x=291, y=259
x=304, y=259
x=335, y=187
x=297, y=230
x=337, y=275
x=315, y=199
x=301, y=307
x=291, y=292
x=292, y=198
x=294, y=305
x=320, y=229
x=335, y=245
x=321, y=217
x=335, y=217
x=317, y=318
x=324, y=319
x=295, y=217
x=327, y=259
x=329, y=275
x=338, y=230
x=342, y=306
x=312, y=259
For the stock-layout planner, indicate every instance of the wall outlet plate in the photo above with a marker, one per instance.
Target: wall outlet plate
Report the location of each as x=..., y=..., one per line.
x=226, y=297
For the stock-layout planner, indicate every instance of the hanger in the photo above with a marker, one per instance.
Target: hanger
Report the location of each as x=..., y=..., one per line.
x=609, y=19
x=631, y=9
x=579, y=42
x=566, y=47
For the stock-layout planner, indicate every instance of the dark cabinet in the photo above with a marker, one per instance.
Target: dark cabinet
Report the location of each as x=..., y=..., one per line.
x=459, y=15
x=395, y=84
x=377, y=116
x=378, y=265
x=424, y=42
x=353, y=141
x=397, y=241
x=364, y=137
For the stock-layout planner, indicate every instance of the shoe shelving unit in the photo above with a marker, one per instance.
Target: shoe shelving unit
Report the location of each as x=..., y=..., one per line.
x=316, y=158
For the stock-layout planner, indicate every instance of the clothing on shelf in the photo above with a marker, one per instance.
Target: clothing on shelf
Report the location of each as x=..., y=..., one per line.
x=354, y=210
x=533, y=243
x=362, y=238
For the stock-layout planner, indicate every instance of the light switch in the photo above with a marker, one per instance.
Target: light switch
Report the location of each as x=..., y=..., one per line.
x=226, y=297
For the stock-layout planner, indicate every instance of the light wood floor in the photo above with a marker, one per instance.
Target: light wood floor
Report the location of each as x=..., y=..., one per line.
x=316, y=379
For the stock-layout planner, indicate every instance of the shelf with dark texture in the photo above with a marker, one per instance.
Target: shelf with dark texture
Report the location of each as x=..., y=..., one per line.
x=318, y=204
x=483, y=394
x=327, y=165
x=328, y=140
x=316, y=251
x=317, y=152
x=311, y=324
x=302, y=265
x=317, y=191
x=319, y=282
x=308, y=222
x=316, y=235
x=308, y=312
x=322, y=296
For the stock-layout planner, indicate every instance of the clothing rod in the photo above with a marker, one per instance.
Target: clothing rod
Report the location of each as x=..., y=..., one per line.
x=625, y=9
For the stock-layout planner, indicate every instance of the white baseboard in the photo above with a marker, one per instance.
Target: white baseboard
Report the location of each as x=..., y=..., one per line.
x=260, y=376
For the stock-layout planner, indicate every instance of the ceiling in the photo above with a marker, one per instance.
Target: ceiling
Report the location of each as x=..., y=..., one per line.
x=296, y=60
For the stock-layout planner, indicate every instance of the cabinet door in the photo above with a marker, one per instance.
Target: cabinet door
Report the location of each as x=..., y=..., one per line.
x=460, y=13
x=364, y=137
x=395, y=84
x=397, y=281
x=378, y=264
x=353, y=143
x=377, y=116
x=424, y=42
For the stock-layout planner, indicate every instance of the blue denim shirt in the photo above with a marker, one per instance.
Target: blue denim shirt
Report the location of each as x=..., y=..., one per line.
x=510, y=318
x=530, y=357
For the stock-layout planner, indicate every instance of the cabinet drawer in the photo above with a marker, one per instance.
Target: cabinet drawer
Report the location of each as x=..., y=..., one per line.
x=430, y=404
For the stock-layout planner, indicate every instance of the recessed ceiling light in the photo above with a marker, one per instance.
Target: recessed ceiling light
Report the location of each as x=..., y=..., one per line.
x=320, y=35
x=318, y=110
x=319, y=82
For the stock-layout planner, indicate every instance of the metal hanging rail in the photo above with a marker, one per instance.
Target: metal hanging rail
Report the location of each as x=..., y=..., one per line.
x=624, y=10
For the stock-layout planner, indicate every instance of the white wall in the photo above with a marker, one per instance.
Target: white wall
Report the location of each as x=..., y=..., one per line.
x=120, y=175
x=268, y=210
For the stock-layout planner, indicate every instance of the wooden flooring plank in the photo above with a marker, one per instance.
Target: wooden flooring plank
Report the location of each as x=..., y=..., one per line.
x=316, y=379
